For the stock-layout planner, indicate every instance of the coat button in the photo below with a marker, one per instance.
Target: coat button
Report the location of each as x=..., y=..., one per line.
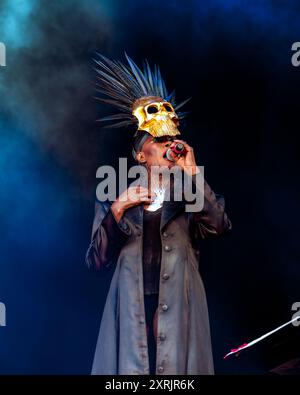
x=165, y=276
x=165, y=234
x=125, y=226
x=167, y=248
x=160, y=369
x=164, y=307
x=162, y=337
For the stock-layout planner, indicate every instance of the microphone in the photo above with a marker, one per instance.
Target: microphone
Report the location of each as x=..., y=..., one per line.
x=174, y=151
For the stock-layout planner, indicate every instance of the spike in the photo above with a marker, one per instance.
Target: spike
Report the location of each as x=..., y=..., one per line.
x=116, y=125
x=149, y=74
x=182, y=115
x=114, y=103
x=171, y=97
x=115, y=117
x=136, y=71
x=182, y=104
x=159, y=82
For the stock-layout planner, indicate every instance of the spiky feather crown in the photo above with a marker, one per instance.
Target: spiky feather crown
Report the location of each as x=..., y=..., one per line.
x=123, y=85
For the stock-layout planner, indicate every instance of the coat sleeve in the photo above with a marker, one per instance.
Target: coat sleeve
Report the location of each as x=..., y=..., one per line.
x=212, y=220
x=108, y=237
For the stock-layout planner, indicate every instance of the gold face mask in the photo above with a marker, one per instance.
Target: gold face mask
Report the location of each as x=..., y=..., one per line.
x=156, y=116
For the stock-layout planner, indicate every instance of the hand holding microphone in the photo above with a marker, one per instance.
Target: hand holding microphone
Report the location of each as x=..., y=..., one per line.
x=183, y=154
x=175, y=151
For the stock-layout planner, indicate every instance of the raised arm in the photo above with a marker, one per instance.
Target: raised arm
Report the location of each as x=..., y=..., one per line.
x=108, y=237
x=110, y=228
x=212, y=220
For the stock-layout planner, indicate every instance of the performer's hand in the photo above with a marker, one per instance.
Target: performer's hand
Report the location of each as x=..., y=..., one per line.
x=129, y=198
x=187, y=161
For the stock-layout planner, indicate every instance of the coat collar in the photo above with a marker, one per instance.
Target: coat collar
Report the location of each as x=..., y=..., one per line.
x=169, y=210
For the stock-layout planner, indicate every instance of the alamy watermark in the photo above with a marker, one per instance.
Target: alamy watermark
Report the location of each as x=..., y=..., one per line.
x=177, y=185
x=295, y=59
x=2, y=54
x=2, y=314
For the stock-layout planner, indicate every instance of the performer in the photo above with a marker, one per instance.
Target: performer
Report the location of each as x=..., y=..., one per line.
x=155, y=319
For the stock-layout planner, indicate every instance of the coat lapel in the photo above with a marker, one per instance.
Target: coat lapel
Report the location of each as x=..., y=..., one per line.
x=135, y=215
x=169, y=210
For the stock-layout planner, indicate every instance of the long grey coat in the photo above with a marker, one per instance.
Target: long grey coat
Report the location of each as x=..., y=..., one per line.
x=184, y=344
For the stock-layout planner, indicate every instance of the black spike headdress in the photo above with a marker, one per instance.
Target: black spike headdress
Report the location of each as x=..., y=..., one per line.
x=140, y=96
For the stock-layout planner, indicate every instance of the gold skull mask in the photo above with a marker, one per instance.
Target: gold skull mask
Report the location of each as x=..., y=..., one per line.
x=156, y=116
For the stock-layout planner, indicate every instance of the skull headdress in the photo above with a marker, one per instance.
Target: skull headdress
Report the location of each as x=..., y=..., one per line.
x=140, y=96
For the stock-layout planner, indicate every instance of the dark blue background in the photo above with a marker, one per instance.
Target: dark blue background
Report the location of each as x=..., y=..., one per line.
x=234, y=59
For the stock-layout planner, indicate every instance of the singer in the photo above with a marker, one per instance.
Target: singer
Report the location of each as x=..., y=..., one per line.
x=155, y=319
